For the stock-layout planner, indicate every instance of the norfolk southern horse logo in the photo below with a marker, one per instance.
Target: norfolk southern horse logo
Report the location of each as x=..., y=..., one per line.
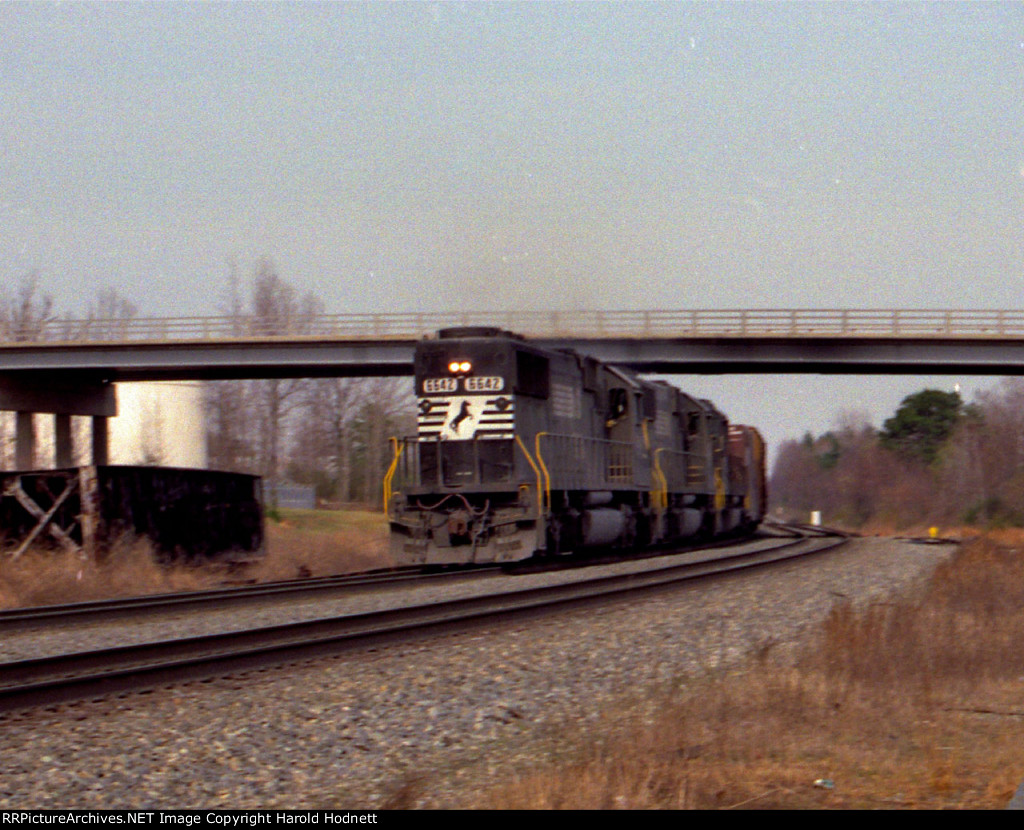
x=465, y=417
x=458, y=419
x=462, y=418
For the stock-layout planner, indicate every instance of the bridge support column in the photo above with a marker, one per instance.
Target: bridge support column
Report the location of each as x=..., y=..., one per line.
x=64, y=448
x=61, y=395
x=100, y=441
x=24, y=441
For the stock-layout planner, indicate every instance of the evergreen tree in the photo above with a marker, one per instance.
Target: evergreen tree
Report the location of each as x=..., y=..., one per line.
x=922, y=424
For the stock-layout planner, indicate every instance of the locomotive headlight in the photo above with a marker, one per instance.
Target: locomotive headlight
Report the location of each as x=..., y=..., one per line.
x=457, y=366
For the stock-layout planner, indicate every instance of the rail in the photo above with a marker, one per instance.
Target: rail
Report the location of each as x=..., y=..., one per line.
x=692, y=323
x=44, y=681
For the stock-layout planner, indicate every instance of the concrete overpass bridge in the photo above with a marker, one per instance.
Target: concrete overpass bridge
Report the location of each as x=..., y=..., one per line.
x=66, y=367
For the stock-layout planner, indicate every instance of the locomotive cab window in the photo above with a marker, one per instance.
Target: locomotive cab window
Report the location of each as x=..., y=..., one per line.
x=462, y=463
x=618, y=404
x=693, y=424
x=649, y=403
x=532, y=374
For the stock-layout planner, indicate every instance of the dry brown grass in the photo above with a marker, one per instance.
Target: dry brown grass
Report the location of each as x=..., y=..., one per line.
x=46, y=577
x=318, y=543
x=913, y=703
x=304, y=543
x=1008, y=537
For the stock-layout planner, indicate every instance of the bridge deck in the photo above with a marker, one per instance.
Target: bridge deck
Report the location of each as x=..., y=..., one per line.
x=866, y=341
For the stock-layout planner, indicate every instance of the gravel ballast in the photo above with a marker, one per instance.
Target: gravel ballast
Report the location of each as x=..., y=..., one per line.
x=352, y=731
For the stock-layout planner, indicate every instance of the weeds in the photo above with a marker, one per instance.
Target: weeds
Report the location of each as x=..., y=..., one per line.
x=46, y=577
x=296, y=551
x=912, y=703
x=301, y=543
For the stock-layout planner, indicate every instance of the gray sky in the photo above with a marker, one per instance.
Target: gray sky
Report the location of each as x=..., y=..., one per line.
x=394, y=157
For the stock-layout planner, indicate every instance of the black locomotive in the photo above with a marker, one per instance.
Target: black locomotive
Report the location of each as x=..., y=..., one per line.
x=525, y=451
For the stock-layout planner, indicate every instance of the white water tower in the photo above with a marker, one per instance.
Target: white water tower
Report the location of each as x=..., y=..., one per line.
x=161, y=424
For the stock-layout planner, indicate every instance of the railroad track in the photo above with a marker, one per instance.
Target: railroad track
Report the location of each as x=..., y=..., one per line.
x=94, y=674
x=238, y=596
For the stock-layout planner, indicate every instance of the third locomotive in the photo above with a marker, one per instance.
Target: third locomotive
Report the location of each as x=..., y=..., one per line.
x=523, y=451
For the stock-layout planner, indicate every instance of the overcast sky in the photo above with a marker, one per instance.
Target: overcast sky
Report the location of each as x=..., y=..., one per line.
x=395, y=157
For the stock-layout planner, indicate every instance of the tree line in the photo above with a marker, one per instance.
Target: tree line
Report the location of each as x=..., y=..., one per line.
x=936, y=461
x=327, y=433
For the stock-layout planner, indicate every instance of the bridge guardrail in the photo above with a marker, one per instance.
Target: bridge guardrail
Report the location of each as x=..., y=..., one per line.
x=938, y=323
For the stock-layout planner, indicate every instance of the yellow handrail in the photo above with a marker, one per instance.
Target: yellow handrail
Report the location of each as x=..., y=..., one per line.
x=547, y=475
x=662, y=492
x=390, y=474
x=536, y=472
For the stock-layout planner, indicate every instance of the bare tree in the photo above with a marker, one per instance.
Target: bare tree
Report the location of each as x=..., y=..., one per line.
x=323, y=440
x=277, y=310
x=248, y=420
x=345, y=395
x=340, y=443
x=230, y=424
x=386, y=410
x=108, y=317
x=230, y=427
x=983, y=466
x=26, y=316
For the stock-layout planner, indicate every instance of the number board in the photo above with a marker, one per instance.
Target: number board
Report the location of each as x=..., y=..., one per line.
x=489, y=383
x=486, y=383
x=432, y=386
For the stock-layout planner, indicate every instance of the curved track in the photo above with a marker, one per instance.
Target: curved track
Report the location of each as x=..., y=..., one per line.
x=133, y=607
x=93, y=674
x=238, y=596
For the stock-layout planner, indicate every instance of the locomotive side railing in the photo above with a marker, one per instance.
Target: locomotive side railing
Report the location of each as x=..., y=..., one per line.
x=681, y=323
x=574, y=462
x=477, y=463
x=567, y=462
x=681, y=470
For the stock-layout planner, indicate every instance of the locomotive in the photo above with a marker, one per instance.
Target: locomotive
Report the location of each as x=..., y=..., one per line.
x=523, y=451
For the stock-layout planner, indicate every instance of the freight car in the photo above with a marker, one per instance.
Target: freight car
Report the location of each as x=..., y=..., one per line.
x=523, y=451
